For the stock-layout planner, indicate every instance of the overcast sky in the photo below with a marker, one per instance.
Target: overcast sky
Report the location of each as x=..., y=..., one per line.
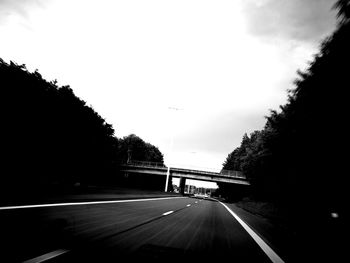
x=224, y=64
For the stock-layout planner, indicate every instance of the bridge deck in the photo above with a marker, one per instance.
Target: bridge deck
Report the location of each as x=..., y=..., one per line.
x=223, y=176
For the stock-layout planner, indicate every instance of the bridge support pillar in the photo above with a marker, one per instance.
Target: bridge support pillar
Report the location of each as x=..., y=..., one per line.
x=182, y=185
x=168, y=182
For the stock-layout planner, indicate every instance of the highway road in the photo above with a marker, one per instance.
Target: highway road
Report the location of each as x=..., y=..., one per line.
x=166, y=229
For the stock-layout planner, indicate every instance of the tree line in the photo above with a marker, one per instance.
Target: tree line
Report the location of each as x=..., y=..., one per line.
x=298, y=160
x=52, y=138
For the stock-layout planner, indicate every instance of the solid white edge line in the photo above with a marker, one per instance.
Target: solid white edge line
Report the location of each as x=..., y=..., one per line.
x=168, y=213
x=46, y=256
x=265, y=247
x=86, y=203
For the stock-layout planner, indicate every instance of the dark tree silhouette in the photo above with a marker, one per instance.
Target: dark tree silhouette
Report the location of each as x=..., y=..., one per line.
x=50, y=136
x=298, y=161
x=343, y=7
x=50, y=139
x=138, y=149
x=134, y=148
x=303, y=140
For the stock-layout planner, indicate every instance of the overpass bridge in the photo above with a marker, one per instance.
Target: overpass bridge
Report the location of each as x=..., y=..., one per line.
x=224, y=176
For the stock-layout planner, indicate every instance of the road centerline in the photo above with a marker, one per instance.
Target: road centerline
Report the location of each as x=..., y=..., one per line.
x=167, y=213
x=47, y=256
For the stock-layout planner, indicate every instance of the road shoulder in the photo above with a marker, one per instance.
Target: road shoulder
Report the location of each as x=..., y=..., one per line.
x=277, y=237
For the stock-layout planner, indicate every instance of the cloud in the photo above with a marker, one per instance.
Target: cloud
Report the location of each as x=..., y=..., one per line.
x=206, y=144
x=221, y=132
x=299, y=20
x=22, y=8
x=134, y=59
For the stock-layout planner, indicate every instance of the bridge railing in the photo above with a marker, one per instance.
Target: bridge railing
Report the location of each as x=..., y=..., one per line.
x=146, y=164
x=231, y=173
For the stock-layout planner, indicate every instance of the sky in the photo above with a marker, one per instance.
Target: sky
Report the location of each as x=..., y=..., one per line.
x=188, y=76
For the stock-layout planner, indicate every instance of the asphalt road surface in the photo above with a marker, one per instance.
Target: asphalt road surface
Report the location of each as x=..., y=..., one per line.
x=164, y=229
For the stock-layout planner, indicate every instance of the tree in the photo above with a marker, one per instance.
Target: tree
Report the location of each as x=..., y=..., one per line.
x=49, y=136
x=139, y=150
x=297, y=161
x=51, y=140
x=343, y=7
x=133, y=148
x=296, y=156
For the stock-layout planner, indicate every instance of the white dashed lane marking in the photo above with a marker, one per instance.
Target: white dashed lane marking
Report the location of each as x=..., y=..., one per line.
x=47, y=256
x=168, y=213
